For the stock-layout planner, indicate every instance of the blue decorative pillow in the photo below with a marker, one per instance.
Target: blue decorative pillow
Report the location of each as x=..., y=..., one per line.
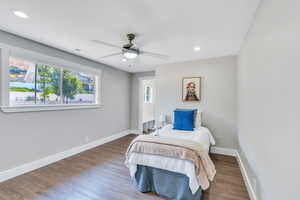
x=195, y=113
x=184, y=120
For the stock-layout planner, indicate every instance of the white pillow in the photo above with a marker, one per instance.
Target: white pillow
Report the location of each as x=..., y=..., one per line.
x=198, y=120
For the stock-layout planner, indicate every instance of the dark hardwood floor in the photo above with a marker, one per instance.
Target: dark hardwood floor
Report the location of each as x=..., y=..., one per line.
x=100, y=174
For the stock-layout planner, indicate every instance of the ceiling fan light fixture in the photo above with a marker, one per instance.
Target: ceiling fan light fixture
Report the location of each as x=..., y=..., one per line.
x=197, y=48
x=130, y=54
x=130, y=51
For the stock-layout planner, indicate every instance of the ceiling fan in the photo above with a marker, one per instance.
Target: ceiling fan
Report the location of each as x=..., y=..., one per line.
x=130, y=50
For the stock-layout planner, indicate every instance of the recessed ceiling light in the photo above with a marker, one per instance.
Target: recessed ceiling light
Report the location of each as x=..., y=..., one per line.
x=124, y=59
x=20, y=14
x=197, y=48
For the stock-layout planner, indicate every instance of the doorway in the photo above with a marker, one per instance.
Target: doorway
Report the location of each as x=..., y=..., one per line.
x=147, y=104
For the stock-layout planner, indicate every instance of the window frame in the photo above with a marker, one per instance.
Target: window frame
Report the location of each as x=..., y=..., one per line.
x=7, y=51
x=150, y=94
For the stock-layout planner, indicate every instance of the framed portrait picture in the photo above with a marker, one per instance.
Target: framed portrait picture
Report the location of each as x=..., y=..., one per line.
x=191, y=89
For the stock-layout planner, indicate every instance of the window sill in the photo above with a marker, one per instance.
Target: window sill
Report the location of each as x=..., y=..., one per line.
x=16, y=109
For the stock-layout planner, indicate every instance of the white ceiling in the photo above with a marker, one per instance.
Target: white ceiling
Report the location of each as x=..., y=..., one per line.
x=171, y=27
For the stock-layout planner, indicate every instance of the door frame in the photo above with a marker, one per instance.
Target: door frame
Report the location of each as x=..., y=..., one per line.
x=141, y=99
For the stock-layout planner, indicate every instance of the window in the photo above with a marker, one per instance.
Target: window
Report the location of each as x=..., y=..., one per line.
x=21, y=83
x=34, y=85
x=148, y=94
x=78, y=88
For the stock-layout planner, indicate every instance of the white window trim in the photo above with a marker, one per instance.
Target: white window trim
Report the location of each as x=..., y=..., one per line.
x=6, y=51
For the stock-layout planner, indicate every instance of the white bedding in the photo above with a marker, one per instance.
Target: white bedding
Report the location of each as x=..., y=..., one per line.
x=201, y=135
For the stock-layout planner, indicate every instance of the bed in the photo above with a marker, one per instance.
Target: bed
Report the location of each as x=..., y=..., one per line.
x=168, y=176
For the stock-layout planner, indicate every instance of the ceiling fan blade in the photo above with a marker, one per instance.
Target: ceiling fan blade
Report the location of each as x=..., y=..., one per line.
x=113, y=54
x=106, y=44
x=156, y=55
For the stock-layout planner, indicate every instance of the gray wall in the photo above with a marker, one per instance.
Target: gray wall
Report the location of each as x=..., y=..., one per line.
x=218, y=94
x=135, y=97
x=269, y=109
x=25, y=137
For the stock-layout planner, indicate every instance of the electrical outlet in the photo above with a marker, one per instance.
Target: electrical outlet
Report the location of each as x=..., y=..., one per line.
x=87, y=139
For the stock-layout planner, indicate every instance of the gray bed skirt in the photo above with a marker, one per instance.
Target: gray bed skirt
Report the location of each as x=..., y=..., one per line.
x=167, y=184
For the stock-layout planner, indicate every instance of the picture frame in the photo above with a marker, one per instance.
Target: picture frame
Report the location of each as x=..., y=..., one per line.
x=191, y=89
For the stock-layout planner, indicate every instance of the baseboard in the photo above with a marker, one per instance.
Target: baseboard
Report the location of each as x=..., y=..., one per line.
x=246, y=178
x=223, y=151
x=137, y=132
x=235, y=153
x=11, y=173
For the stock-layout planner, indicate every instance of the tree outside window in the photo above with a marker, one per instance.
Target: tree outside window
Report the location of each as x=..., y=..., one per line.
x=35, y=83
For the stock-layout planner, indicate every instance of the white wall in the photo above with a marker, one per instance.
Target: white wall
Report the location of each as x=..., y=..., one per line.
x=218, y=94
x=148, y=108
x=269, y=109
x=25, y=137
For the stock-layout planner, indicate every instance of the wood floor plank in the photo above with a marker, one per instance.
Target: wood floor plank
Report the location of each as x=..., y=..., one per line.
x=100, y=174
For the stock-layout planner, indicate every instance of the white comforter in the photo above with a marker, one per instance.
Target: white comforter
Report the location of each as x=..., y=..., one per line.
x=201, y=135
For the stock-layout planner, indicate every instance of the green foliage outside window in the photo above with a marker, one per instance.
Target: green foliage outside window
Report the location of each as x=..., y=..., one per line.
x=48, y=80
x=71, y=86
x=35, y=83
x=49, y=83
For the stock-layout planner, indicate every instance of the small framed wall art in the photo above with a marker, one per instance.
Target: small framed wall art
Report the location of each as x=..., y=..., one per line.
x=191, y=89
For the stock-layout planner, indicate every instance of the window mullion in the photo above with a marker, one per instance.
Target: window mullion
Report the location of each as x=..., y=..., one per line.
x=35, y=83
x=61, y=85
